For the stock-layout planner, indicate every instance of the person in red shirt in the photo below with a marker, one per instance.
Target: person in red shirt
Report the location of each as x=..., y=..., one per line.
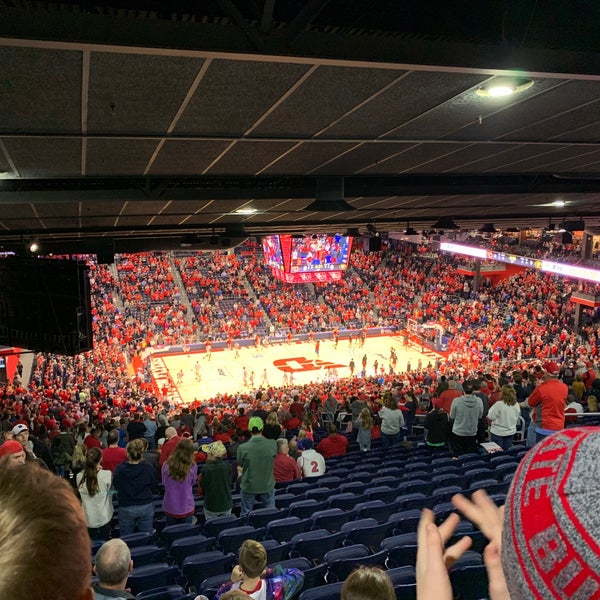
x=241, y=421
x=113, y=455
x=447, y=396
x=93, y=439
x=334, y=444
x=172, y=439
x=285, y=468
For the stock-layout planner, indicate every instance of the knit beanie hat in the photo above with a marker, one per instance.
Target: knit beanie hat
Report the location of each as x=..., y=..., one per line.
x=551, y=532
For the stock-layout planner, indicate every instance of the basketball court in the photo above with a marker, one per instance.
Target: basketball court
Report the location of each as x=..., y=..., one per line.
x=198, y=375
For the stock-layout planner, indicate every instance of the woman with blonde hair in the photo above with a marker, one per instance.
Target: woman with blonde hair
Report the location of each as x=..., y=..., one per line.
x=179, y=473
x=592, y=403
x=504, y=416
x=368, y=583
x=272, y=429
x=93, y=484
x=364, y=430
x=135, y=481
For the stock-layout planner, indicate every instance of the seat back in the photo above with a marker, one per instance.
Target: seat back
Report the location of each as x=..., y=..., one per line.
x=231, y=539
x=152, y=576
x=198, y=567
x=183, y=547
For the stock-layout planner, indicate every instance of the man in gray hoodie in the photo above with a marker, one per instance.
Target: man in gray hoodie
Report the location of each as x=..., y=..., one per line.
x=465, y=413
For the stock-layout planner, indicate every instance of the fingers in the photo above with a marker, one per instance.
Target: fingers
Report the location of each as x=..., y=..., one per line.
x=448, y=526
x=454, y=552
x=482, y=511
x=497, y=582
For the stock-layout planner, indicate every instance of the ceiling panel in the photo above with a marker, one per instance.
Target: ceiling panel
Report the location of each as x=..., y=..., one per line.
x=363, y=156
x=234, y=94
x=118, y=156
x=307, y=157
x=501, y=125
x=414, y=157
x=40, y=90
x=186, y=157
x=410, y=97
x=327, y=95
x=45, y=157
x=131, y=93
x=247, y=158
x=543, y=163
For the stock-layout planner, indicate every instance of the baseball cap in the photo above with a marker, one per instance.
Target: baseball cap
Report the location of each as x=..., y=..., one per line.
x=20, y=428
x=10, y=447
x=305, y=444
x=551, y=367
x=255, y=423
x=215, y=449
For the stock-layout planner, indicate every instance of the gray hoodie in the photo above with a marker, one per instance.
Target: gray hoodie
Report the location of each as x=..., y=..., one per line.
x=466, y=411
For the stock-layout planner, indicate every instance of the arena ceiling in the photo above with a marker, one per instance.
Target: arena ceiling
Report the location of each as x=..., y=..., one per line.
x=162, y=122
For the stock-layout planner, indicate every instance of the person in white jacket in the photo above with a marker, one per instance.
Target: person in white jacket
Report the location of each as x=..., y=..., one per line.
x=93, y=484
x=504, y=416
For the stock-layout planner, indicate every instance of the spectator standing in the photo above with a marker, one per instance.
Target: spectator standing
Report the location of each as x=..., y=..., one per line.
x=171, y=441
x=113, y=455
x=151, y=428
x=436, y=426
x=504, y=416
x=135, y=481
x=136, y=428
x=549, y=399
x=255, y=461
x=179, y=474
x=285, y=468
x=272, y=430
x=465, y=413
x=365, y=422
x=392, y=422
x=215, y=481
x=93, y=484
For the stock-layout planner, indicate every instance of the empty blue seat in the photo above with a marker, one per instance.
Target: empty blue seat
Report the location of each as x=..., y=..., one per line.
x=401, y=549
x=402, y=575
x=261, y=517
x=167, y=592
x=339, y=569
x=198, y=567
x=297, y=488
x=284, y=530
x=211, y=584
x=148, y=555
x=331, y=519
x=140, y=539
x=184, y=547
x=416, y=486
x=413, y=500
x=231, y=539
x=276, y=552
x=282, y=501
x=305, y=508
x=315, y=544
x=331, y=481
x=173, y=532
x=382, y=492
x=152, y=576
x=345, y=501
x=354, y=551
x=443, y=510
x=213, y=527
x=366, y=531
x=355, y=487
x=405, y=521
x=470, y=582
x=443, y=494
x=323, y=592
x=320, y=494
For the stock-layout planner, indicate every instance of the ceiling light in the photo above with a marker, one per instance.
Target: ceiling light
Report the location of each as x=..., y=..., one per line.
x=245, y=211
x=34, y=246
x=445, y=223
x=559, y=203
x=504, y=88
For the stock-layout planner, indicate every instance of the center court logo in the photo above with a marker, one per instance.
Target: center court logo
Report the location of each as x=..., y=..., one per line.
x=300, y=363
